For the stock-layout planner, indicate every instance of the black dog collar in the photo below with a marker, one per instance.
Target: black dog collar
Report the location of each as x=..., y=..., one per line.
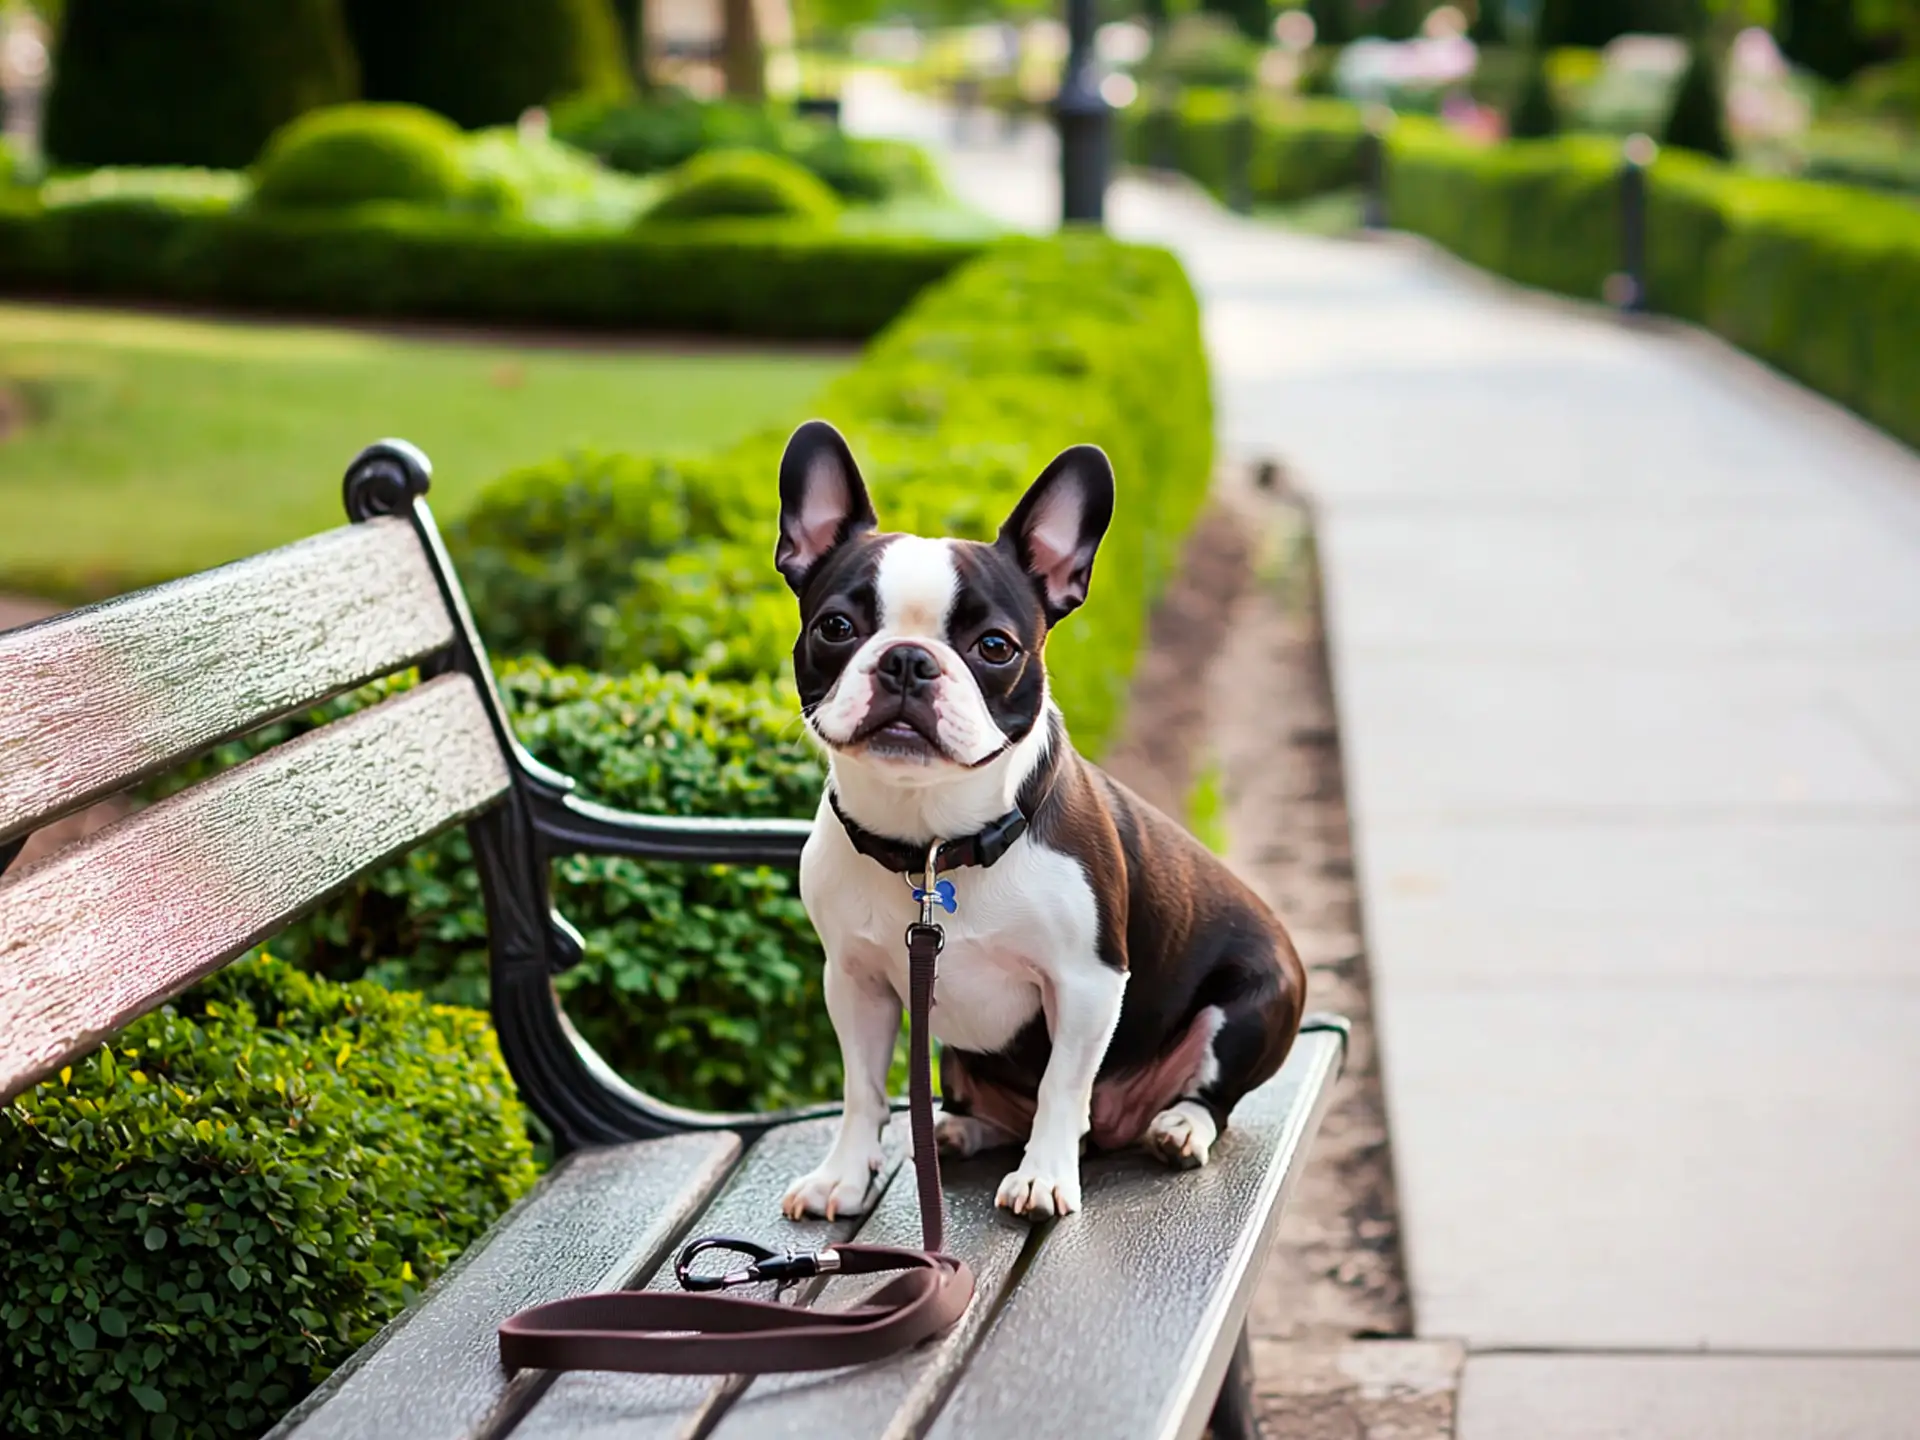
x=982, y=848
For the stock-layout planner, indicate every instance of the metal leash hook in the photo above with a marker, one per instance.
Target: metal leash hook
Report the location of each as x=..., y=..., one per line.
x=768, y=1264
x=930, y=895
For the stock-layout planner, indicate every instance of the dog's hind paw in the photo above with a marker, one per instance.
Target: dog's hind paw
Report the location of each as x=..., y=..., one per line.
x=1183, y=1135
x=959, y=1136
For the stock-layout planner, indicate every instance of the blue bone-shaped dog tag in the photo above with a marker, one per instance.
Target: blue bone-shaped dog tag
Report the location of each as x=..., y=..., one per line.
x=942, y=894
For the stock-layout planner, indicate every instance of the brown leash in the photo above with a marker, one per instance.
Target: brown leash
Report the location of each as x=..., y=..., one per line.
x=658, y=1332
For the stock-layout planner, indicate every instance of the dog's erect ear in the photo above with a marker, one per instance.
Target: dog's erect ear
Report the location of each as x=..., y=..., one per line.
x=823, y=501
x=1057, y=526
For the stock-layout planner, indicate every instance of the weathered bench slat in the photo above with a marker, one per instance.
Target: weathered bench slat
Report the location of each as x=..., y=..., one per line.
x=1156, y=1274
x=599, y=1219
x=891, y=1398
x=585, y=1405
x=97, y=699
x=101, y=932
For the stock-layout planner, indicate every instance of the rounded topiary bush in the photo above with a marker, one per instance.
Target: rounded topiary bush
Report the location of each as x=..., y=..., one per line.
x=190, y=82
x=730, y=183
x=202, y=1219
x=482, y=62
x=350, y=154
x=643, y=137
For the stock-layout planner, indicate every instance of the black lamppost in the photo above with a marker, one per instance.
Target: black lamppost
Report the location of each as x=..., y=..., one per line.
x=1086, y=123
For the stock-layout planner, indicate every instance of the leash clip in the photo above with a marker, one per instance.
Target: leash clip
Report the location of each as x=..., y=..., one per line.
x=767, y=1264
x=929, y=892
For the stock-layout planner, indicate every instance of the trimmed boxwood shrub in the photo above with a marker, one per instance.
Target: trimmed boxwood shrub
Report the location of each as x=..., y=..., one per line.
x=485, y=61
x=701, y=983
x=741, y=277
x=729, y=184
x=1543, y=212
x=204, y=1217
x=645, y=137
x=190, y=82
x=1300, y=148
x=1822, y=281
x=952, y=413
x=350, y=154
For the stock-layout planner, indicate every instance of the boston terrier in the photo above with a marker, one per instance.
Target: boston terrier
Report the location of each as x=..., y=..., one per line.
x=1105, y=978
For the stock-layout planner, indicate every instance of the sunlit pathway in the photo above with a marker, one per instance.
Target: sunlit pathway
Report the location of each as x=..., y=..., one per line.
x=1626, y=640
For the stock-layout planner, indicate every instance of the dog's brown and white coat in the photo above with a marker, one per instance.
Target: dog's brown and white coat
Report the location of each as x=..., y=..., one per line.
x=1108, y=979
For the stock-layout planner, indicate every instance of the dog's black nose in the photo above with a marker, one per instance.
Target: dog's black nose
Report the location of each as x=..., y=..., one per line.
x=907, y=670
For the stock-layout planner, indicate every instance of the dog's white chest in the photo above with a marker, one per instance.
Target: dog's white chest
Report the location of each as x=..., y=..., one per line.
x=1013, y=927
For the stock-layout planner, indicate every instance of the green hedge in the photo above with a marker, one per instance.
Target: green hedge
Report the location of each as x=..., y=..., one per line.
x=200, y=1221
x=1297, y=150
x=1822, y=281
x=701, y=983
x=1543, y=212
x=642, y=138
x=190, y=82
x=743, y=277
x=952, y=412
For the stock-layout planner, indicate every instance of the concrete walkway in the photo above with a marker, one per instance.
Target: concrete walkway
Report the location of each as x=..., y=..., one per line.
x=1626, y=638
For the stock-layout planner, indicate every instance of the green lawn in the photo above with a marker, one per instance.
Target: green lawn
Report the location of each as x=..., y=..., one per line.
x=134, y=447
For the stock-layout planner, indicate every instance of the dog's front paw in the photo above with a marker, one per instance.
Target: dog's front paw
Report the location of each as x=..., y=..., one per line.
x=832, y=1191
x=1040, y=1189
x=1183, y=1135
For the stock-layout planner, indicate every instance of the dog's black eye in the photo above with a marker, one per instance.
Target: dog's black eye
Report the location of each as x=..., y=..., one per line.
x=834, y=629
x=996, y=648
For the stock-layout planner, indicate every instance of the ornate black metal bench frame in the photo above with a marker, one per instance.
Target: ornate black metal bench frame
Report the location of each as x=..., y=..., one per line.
x=1167, y=1264
x=542, y=819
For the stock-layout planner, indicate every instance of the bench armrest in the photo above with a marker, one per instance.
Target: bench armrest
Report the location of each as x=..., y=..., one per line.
x=570, y=825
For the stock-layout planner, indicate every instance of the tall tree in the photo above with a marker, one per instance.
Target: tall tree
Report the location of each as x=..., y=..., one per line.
x=190, y=82
x=632, y=15
x=743, y=59
x=1536, y=115
x=1251, y=17
x=1698, y=120
x=1332, y=21
x=482, y=62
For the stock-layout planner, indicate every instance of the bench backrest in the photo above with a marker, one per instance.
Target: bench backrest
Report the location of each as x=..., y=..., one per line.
x=99, y=933
x=104, y=697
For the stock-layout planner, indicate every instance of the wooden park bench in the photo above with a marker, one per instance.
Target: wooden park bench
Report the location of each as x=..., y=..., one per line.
x=1124, y=1320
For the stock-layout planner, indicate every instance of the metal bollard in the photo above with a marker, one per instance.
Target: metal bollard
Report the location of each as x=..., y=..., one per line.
x=819, y=107
x=1086, y=124
x=1240, y=161
x=1626, y=288
x=1378, y=120
x=1163, y=120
